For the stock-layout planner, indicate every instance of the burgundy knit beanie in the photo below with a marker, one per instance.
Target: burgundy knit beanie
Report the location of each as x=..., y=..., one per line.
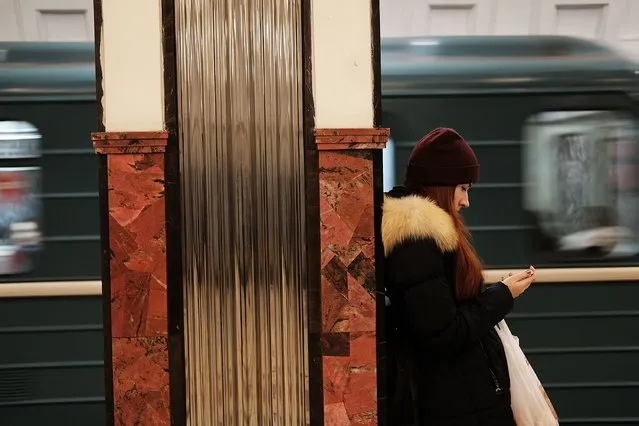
x=442, y=158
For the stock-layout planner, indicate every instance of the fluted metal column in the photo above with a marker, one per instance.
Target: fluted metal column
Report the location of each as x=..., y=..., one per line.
x=239, y=77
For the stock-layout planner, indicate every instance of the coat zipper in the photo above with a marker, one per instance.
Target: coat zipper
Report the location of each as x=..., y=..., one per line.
x=498, y=389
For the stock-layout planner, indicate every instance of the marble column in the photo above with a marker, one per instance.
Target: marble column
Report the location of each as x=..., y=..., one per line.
x=134, y=275
x=348, y=280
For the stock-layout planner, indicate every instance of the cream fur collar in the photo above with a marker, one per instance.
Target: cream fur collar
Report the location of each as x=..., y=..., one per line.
x=415, y=217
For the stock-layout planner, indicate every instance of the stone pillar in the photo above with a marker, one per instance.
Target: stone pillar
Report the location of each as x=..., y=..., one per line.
x=131, y=151
x=137, y=150
x=349, y=293
x=134, y=286
x=346, y=94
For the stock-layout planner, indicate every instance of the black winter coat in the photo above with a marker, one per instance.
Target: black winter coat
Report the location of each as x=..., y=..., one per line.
x=456, y=361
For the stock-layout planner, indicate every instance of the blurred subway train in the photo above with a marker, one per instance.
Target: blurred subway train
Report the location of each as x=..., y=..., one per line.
x=553, y=120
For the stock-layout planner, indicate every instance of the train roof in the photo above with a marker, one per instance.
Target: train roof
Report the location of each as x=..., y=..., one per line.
x=48, y=71
x=502, y=64
x=410, y=66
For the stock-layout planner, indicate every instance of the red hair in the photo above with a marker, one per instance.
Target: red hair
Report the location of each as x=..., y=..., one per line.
x=468, y=272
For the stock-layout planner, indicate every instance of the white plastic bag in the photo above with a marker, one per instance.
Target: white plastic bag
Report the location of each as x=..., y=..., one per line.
x=529, y=401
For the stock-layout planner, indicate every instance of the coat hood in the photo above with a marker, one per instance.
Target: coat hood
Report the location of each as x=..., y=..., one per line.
x=408, y=216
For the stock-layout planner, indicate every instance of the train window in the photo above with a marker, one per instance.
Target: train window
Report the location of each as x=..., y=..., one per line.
x=581, y=186
x=388, y=165
x=20, y=211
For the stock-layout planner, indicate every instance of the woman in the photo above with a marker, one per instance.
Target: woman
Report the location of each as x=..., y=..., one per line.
x=442, y=312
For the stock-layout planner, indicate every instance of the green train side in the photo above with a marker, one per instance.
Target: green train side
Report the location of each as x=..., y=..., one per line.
x=580, y=334
x=51, y=362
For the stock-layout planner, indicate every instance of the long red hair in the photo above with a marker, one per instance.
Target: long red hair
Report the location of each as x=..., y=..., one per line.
x=468, y=272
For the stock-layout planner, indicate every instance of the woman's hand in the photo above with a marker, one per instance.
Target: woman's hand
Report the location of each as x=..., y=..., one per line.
x=519, y=282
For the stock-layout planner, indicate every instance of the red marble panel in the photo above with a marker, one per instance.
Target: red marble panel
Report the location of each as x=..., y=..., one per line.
x=138, y=245
x=129, y=138
x=352, y=131
x=360, y=397
x=350, y=384
x=129, y=142
x=349, y=359
x=361, y=312
x=346, y=180
x=141, y=381
x=137, y=240
x=334, y=297
x=352, y=139
x=346, y=139
x=140, y=149
x=350, y=145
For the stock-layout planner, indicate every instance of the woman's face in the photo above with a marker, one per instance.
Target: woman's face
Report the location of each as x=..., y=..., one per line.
x=461, y=199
